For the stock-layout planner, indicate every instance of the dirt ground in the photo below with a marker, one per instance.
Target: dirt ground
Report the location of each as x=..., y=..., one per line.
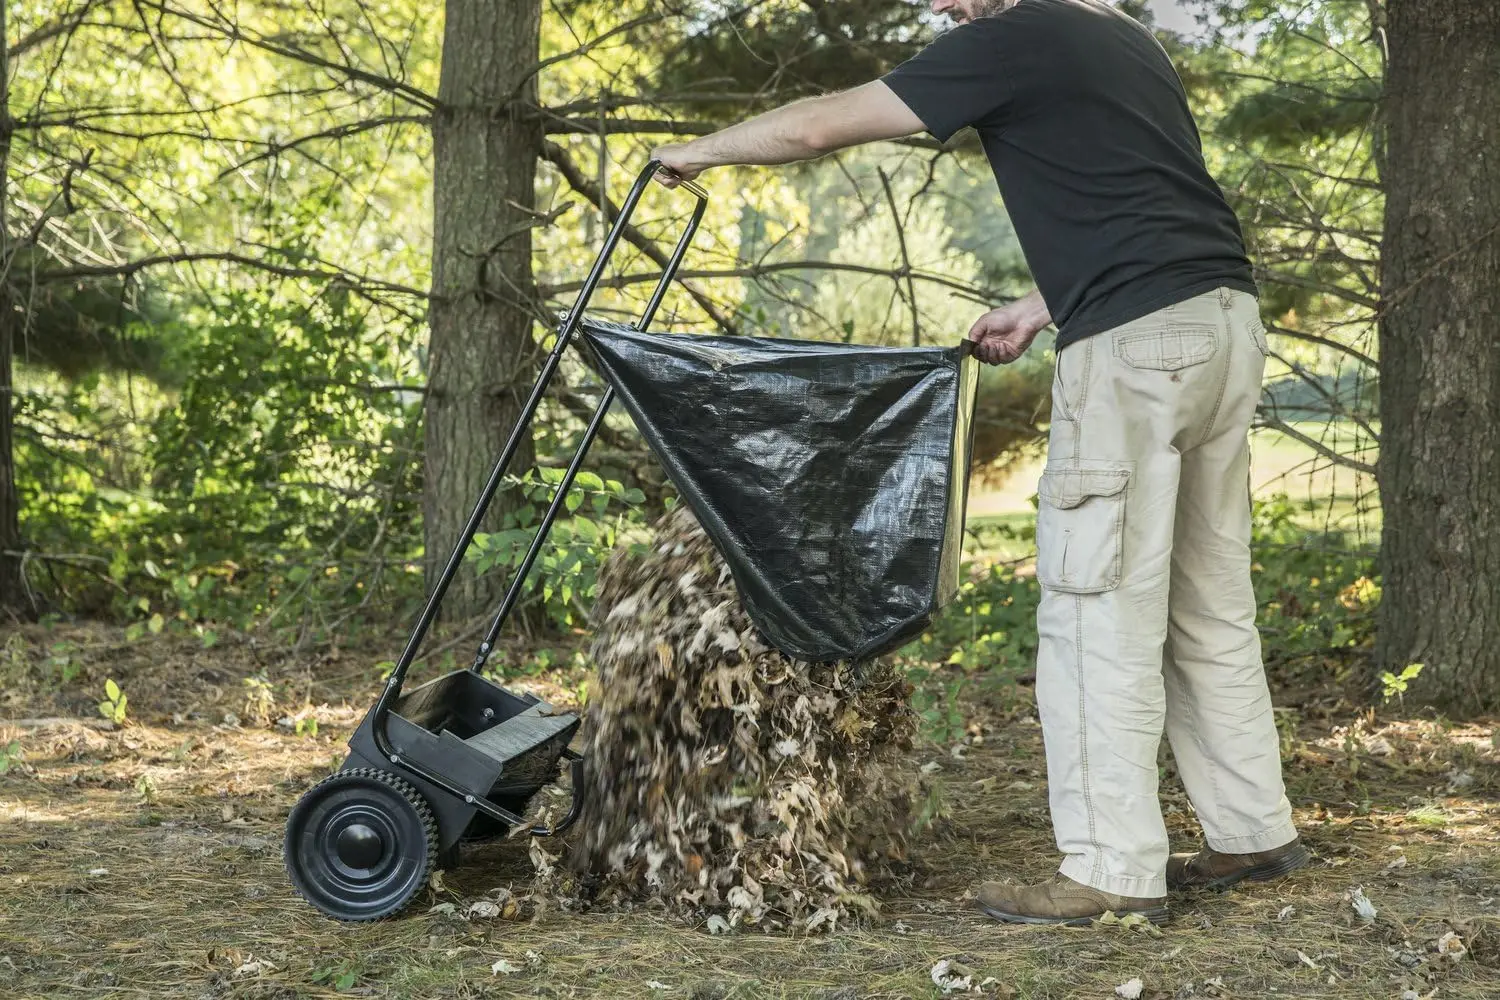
x=144, y=860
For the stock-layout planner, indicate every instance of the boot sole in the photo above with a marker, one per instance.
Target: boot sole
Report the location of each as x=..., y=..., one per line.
x=1157, y=915
x=1267, y=872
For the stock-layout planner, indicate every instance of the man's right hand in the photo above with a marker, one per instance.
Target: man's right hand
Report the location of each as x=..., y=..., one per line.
x=1002, y=335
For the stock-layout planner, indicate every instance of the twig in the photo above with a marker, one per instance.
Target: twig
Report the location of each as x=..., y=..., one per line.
x=274, y=149
x=971, y=292
x=586, y=188
x=911, y=288
x=1281, y=426
x=100, y=724
x=234, y=33
x=1313, y=338
x=125, y=269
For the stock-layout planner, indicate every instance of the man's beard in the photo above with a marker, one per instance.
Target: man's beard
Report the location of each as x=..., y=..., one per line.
x=989, y=8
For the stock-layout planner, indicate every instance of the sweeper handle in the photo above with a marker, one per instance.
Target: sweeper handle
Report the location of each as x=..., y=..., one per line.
x=565, y=333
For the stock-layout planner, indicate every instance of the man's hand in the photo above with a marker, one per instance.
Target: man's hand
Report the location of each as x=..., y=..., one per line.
x=1002, y=335
x=678, y=158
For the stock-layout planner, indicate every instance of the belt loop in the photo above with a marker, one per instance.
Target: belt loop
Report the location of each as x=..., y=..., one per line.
x=1226, y=297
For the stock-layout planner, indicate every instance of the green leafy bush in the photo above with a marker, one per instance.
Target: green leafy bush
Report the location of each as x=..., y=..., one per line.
x=566, y=572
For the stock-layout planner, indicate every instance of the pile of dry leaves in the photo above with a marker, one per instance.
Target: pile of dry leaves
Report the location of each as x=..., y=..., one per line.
x=725, y=780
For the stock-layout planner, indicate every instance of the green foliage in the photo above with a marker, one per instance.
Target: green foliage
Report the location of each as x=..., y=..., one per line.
x=113, y=705
x=566, y=571
x=1395, y=686
x=260, y=700
x=990, y=626
x=935, y=700
x=10, y=756
x=279, y=475
x=1316, y=590
x=829, y=46
x=1287, y=114
x=63, y=662
x=341, y=977
x=1316, y=594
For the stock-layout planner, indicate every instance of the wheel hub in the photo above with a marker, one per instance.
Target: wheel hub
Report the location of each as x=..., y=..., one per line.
x=359, y=846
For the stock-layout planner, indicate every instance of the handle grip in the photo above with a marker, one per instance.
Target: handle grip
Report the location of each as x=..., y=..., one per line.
x=612, y=240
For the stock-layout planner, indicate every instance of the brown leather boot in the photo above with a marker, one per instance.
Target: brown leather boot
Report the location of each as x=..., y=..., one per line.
x=1062, y=901
x=1210, y=869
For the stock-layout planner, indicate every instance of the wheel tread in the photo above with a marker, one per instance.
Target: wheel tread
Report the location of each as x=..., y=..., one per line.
x=425, y=816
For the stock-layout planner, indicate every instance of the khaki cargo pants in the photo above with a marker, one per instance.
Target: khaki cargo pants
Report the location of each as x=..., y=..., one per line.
x=1147, y=616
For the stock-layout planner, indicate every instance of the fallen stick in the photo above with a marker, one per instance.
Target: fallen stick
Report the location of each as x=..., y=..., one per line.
x=103, y=725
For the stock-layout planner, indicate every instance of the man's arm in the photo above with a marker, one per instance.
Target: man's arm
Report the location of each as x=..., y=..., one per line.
x=801, y=131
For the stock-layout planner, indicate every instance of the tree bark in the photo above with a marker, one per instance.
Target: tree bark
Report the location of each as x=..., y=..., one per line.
x=12, y=596
x=1440, y=353
x=482, y=358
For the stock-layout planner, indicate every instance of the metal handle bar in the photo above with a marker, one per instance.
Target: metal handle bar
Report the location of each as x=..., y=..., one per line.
x=497, y=474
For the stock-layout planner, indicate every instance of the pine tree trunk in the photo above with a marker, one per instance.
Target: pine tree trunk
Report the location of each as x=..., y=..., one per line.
x=11, y=589
x=481, y=360
x=1440, y=353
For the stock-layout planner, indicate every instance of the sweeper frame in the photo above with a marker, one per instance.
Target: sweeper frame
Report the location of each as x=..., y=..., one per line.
x=458, y=757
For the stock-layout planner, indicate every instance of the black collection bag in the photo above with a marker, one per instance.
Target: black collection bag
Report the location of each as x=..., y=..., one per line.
x=832, y=477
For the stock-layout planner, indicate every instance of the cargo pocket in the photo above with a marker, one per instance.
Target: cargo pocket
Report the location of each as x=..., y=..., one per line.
x=1166, y=350
x=1080, y=527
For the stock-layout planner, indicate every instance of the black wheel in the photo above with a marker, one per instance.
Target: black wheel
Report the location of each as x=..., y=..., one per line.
x=360, y=844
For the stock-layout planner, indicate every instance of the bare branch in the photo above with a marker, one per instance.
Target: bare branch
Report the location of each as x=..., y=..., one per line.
x=61, y=26
x=274, y=149
x=628, y=126
x=1297, y=281
x=590, y=191
x=1313, y=338
x=126, y=269
x=911, y=288
x=590, y=45
x=756, y=271
x=1281, y=426
x=234, y=33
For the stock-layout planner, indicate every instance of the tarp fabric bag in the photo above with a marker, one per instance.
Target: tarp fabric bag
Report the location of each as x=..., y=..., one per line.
x=832, y=477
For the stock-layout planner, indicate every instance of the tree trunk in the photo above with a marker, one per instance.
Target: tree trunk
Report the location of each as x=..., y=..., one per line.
x=11, y=590
x=482, y=359
x=1440, y=353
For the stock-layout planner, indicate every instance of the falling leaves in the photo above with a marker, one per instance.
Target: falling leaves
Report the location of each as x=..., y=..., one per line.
x=253, y=966
x=1137, y=922
x=504, y=968
x=722, y=778
x=1362, y=905
x=1451, y=946
x=951, y=977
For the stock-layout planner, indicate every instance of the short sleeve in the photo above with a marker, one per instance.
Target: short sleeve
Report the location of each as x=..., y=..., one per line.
x=960, y=79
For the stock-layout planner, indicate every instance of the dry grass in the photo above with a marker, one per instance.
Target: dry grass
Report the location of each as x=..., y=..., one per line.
x=145, y=862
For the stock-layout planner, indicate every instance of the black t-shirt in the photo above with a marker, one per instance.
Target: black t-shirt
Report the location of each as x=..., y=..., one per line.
x=1088, y=130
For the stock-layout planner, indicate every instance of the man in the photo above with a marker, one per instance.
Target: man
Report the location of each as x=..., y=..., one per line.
x=1147, y=617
